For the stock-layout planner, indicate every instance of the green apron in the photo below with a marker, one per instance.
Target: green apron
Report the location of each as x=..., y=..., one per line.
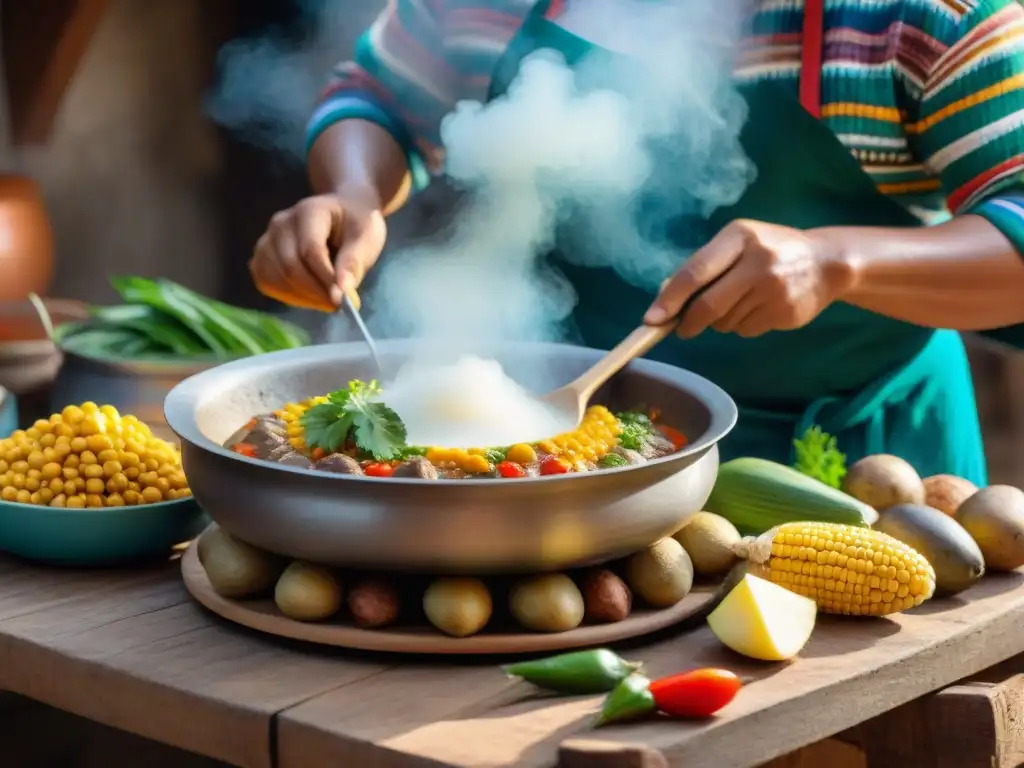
x=879, y=385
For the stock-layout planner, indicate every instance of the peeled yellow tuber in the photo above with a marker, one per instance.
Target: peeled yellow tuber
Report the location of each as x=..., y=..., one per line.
x=764, y=621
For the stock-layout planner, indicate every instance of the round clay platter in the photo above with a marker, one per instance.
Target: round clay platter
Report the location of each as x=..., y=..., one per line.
x=263, y=616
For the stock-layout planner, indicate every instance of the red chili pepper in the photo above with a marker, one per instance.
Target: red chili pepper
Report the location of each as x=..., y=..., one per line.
x=379, y=470
x=246, y=449
x=698, y=693
x=511, y=469
x=678, y=438
x=553, y=465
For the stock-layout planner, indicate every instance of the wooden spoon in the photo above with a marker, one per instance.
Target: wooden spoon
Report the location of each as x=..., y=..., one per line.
x=574, y=397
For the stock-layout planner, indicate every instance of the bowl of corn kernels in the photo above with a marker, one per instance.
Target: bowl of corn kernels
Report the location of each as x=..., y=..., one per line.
x=91, y=486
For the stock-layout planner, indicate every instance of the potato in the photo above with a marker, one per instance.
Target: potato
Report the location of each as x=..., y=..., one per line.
x=662, y=574
x=709, y=540
x=947, y=492
x=549, y=603
x=458, y=607
x=236, y=569
x=307, y=592
x=606, y=598
x=994, y=517
x=883, y=481
x=373, y=603
x=203, y=544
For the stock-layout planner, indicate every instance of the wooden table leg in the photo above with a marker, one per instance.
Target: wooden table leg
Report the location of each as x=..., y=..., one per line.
x=979, y=725
x=591, y=753
x=970, y=725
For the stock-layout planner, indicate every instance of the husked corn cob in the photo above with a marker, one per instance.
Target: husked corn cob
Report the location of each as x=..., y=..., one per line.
x=593, y=438
x=290, y=415
x=844, y=569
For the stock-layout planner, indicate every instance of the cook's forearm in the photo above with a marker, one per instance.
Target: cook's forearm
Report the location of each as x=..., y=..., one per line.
x=360, y=159
x=963, y=274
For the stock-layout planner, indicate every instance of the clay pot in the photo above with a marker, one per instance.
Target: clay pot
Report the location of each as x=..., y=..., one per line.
x=26, y=241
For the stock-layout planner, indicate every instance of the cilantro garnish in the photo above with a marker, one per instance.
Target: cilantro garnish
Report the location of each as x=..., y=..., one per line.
x=352, y=413
x=817, y=456
x=634, y=430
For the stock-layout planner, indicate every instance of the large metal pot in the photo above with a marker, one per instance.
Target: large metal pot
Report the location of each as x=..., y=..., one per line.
x=482, y=525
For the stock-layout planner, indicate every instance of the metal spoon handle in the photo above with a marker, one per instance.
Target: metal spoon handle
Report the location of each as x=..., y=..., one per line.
x=351, y=305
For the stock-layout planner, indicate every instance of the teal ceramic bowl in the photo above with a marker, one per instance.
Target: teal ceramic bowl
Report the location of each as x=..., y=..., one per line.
x=89, y=537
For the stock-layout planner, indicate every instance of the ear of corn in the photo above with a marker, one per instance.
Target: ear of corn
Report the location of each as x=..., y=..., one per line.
x=756, y=495
x=844, y=569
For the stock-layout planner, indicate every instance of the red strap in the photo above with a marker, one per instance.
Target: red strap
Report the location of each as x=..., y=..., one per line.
x=810, y=59
x=554, y=9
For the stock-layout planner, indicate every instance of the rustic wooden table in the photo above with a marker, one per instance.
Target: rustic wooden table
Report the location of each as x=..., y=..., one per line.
x=131, y=650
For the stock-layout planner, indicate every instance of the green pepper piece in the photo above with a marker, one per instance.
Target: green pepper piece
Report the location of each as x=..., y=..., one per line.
x=596, y=671
x=630, y=699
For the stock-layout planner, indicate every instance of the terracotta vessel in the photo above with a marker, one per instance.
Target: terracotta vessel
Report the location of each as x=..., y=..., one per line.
x=26, y=240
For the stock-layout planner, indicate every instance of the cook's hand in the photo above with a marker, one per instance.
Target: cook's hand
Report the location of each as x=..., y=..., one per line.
x=769, y=278
x=293, y=263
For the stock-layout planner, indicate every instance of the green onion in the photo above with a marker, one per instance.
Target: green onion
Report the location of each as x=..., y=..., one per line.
x=160, y=318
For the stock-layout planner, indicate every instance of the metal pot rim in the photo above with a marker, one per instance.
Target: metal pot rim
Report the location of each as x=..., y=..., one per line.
x=182, y=401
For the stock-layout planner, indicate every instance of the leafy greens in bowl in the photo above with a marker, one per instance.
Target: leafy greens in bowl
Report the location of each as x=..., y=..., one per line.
x=162, y=319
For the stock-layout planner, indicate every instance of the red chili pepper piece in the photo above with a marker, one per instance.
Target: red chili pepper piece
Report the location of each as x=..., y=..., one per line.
x=678, y=438
x=379, y=470
x=511, y=469
x=246, y=449
x=553, y=465
x=699, y=693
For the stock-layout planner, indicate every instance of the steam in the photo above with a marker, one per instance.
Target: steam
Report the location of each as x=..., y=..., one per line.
x=268, y=86
x=606, y=158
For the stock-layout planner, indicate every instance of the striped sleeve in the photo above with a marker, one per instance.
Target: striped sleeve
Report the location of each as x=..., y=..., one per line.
x=415, y=62
x=969, y=130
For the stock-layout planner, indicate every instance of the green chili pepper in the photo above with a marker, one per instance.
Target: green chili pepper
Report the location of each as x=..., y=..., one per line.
x=597, y=671
x=630, y=699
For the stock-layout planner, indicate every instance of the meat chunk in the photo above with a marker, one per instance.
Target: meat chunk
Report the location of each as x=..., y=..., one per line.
x=285, y=454
x=417, y=467
x=339, y=464
x=264, y=440
x=632, y=457
x=655, y=446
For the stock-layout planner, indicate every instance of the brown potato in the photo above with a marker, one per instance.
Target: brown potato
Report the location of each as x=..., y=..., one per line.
x=373, y=603
x=947, y=492
x=606, y=598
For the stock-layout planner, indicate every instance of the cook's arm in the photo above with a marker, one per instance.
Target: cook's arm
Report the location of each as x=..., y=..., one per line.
x=375, y=132
x=967, y=273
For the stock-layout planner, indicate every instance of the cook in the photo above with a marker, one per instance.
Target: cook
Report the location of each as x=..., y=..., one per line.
x=888, y=208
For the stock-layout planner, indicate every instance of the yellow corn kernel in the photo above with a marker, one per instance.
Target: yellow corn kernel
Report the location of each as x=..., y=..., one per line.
x=844, y=569
x=475, y=464
x=591, y=440
x=437, y=455
x=521, y=453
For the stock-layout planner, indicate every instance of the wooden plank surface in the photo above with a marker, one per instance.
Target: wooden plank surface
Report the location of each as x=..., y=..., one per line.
x=130, y=649
x=853, y=669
